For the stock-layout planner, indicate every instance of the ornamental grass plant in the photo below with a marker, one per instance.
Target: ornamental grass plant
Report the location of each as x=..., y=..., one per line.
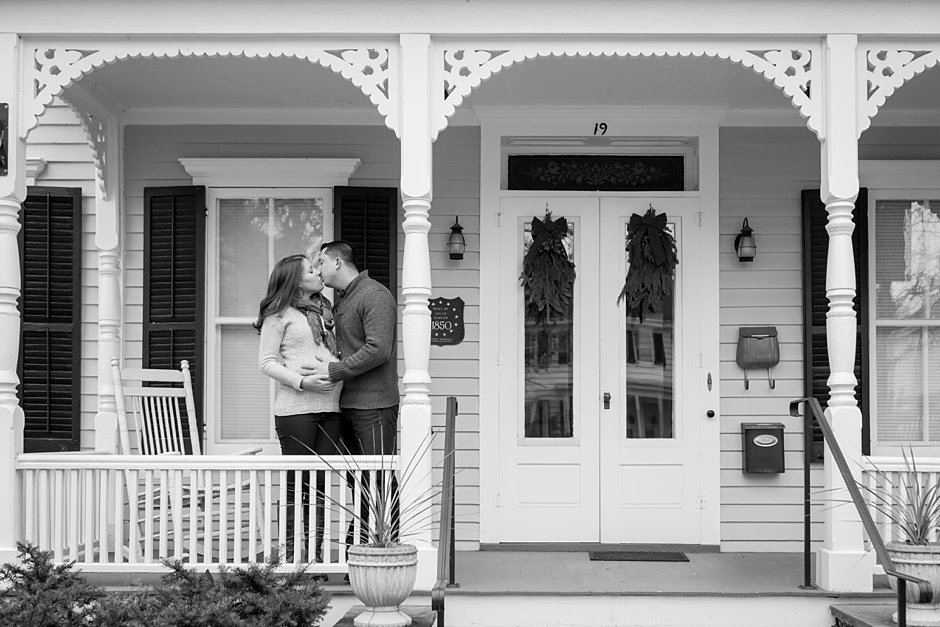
x=910, y=502
x=381, y=518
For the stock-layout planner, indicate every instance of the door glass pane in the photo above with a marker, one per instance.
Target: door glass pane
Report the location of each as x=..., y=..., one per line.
x=243, y=242
x=549, y=365
x=297, y=226
x=649, y=361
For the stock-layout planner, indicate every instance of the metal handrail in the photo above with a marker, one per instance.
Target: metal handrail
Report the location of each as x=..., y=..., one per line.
x=925, y=593
x=446, y=564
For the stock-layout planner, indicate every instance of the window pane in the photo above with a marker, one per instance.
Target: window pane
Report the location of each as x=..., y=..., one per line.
x=243, y=241
x=297, y=226
x=900, y=384
x=649, y=368
x=549, y=366
x=907, y=262
x=245, y=406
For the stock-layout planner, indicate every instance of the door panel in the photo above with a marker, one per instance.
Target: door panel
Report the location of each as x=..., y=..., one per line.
x=649, y=437
x=548, y=425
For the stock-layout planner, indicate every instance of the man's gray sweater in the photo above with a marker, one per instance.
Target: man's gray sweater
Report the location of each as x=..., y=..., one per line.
x=366, y=334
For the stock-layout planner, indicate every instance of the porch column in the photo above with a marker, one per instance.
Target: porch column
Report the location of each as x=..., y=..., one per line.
x=12, y=193
x=842, y=564
x=108, y=202
x=416, y=73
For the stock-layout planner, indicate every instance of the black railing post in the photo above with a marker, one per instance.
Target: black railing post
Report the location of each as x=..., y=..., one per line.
x=451, y=431
x=807, y=512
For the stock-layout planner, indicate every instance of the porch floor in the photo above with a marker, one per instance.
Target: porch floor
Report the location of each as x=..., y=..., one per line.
x=572, y=573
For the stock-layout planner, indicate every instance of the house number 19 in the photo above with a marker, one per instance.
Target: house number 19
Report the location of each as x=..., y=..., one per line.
x=600, y=128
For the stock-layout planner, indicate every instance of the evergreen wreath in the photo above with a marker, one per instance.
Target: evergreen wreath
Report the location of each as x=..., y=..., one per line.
x=653, y=259
x=547, y=272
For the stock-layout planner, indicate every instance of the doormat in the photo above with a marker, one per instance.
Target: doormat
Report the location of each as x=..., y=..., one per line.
x=638, y=556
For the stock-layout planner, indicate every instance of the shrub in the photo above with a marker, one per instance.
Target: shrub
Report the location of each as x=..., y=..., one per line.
x=43, y=594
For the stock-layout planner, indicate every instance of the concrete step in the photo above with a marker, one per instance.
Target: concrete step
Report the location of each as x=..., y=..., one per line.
x=607, y=610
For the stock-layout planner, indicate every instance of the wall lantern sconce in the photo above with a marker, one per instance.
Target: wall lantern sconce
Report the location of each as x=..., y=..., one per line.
x=744, y=244
x=4, y=133
x=456, y=243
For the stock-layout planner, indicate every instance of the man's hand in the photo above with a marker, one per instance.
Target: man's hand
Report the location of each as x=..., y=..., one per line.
x=316, y=383
x=320, y=369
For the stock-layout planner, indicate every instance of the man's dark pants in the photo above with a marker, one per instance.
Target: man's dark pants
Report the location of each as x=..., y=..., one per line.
x=371, y=432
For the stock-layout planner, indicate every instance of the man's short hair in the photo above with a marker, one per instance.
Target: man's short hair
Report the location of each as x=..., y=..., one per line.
x=340, y=249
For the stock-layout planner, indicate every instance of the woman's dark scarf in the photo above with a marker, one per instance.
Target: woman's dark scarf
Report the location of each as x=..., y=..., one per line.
x=320, y=318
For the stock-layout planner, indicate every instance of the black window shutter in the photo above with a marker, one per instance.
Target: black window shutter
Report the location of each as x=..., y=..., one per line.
x=816, y=305
x=49, y=366
x=174, y=282
x=367, y=218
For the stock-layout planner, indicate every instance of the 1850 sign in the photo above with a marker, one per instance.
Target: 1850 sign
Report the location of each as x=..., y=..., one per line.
x=447, y=326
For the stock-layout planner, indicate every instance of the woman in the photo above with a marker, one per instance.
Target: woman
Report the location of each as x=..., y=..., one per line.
x=296, y=325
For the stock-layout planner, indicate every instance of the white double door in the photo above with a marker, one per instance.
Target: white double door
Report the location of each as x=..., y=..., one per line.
x=601, y=414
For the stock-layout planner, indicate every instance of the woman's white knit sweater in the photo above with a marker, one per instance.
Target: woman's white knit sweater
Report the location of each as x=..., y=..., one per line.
x=287, y=344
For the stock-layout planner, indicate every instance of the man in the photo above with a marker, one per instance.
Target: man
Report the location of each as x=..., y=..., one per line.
x=366, y=316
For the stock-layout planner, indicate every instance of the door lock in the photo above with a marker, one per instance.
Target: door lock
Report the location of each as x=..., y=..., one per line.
x=606, y=400
x=710, y=413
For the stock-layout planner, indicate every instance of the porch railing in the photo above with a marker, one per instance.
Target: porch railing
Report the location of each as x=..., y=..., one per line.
x=118, y=512
x=814, y=410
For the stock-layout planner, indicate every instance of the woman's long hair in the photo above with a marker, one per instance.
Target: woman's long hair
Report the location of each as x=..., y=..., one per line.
x=283, y=287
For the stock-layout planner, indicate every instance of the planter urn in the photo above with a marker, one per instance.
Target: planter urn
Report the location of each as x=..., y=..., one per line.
x=920, y=561
x=382, y=578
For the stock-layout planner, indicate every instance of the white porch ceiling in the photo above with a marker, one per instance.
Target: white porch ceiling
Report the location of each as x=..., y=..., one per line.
x=226, y=83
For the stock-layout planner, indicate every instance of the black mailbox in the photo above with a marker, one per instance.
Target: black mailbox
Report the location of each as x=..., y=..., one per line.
x=762, y=446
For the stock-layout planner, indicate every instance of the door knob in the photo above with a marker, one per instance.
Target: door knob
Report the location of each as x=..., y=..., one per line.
x=710, y=413
x=606, y=400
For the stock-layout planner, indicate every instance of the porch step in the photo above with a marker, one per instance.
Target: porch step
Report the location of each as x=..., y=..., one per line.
x=863, y=614
x=610, y=610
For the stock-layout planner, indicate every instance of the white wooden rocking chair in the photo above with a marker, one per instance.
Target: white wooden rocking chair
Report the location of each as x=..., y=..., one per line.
x=154, y=398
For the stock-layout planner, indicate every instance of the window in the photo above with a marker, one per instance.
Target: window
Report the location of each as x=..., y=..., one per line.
x=903, y=303
x=251, y=229
x=906, y=303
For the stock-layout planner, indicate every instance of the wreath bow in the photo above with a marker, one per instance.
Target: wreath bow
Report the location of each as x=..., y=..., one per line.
x=650, y=227
x=545, y=233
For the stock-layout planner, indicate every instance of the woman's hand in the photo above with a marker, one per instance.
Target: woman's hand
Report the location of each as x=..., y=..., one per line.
x=317, y=383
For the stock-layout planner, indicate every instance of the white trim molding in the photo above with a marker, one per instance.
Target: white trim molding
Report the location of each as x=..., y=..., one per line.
x=34, y=169
x=884, y=67
x=793, y=66
x=263, y=172
x=897, y=174
x=52, y=67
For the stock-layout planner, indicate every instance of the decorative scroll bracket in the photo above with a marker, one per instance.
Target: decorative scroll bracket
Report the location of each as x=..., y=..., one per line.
x=372, y=69
x=792, y=68
x=882, y=70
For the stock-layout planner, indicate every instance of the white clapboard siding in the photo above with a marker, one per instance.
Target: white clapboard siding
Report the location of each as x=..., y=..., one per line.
x=59, y=140
x=151, y=159
x=763, y=512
